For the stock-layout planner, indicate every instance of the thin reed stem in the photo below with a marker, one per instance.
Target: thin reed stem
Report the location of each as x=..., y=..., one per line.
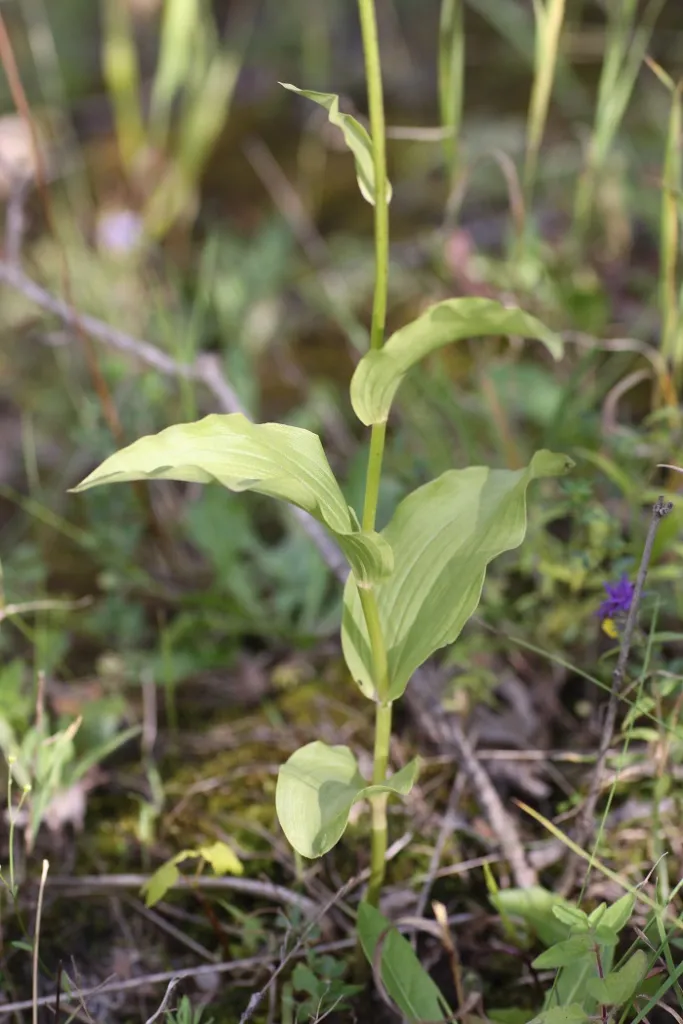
x=373, y=71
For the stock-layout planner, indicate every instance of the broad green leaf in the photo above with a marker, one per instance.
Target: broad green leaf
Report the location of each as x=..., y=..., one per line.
x=617, y=987
x=222, y=859
x=443, y=536
x=618, y=915
x=163, y=879
x=270, y=458
x=355, y=136
x=219, y=855
x=316, y=789
x=378, y=375
x=572, y=1014
x=564, y=953
x=403, y=976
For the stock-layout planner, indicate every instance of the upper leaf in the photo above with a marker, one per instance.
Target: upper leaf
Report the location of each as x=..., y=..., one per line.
x=270, y=458
x=355, y=136
x=618, y=915
x=443, y=536
x=378, y=375
x=316, y=789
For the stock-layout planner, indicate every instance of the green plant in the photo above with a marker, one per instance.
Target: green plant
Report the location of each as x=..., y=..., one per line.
x=626, y=44
x=669, y=288
x=218, y=855
x=451, y=74
x=549, y=17
x=186, y=1014
x=316, y=988
x=411, y=587
x=195, y=71
x=47, y=765
x=591, y=980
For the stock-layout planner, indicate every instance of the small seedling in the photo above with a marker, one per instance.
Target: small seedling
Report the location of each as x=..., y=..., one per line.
x=186, y=1014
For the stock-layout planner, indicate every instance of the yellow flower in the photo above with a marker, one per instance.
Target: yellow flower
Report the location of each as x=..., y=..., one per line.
x=609, y=627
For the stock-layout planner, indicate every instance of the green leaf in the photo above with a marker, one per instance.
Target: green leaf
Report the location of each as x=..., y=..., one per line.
x=304, y=980
x=573, y=917
x=605, y=936
x=270, y=458
x=618, y=986
x=404, y=977
x=25, y=947
x=316, y=789
x=356, y=138
x=163, y=879
x=618, y=915
x=572, y=1014
x=443, y=536
x=378, y=375
x=222, y=859
x=564, y=953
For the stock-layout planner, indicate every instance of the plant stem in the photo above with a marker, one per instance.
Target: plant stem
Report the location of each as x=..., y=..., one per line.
x=378, y=847
x=450, y=77
x=373, y=475
x=373, y=72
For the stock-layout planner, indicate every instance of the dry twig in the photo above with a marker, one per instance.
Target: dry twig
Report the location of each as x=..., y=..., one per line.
x=447, y=733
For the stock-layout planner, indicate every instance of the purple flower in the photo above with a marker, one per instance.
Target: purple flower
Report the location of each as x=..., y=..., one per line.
x=119, y=231
x=619, y=598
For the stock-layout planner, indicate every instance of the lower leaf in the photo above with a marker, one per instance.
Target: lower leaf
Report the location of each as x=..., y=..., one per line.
x=316, y=789
x=403, y=976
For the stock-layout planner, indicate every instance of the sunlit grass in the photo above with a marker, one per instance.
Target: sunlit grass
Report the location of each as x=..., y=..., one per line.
x=626, y=41
x=549, y=16
x=451, y=75
x=191, y=95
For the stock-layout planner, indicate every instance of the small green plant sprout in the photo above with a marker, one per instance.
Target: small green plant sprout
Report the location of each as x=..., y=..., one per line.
x=185, y=1013
x=53, y=776
x=222, y=859
x=412, y=586
x=317, y=988
x=590, y=982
